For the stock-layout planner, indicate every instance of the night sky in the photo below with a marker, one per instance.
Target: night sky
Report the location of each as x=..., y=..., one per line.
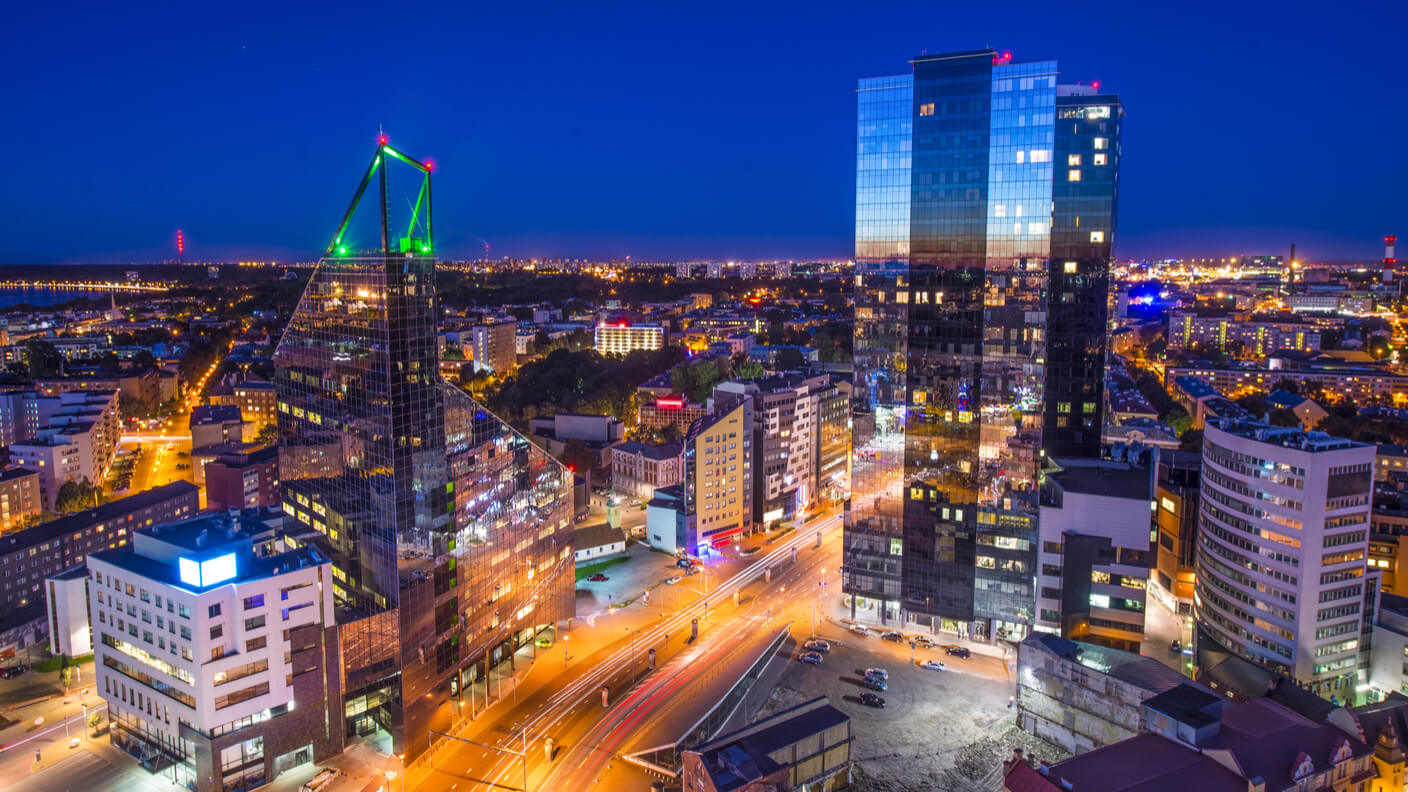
x=664, y=129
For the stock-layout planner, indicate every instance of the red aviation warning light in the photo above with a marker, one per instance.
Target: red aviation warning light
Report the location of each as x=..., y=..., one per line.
x=1002, y=59
x=1390, y=242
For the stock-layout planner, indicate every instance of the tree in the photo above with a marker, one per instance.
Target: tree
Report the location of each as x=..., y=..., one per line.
x=1288, y=385
x=1283, y=417
x=748, y=369
x=268, y=434
x=43, y=359
x=94, y=719
x=1253, y=403
x=789, y=358
x=76, y=496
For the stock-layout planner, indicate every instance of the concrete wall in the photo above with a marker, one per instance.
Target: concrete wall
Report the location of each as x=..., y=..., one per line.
x=1072, y=706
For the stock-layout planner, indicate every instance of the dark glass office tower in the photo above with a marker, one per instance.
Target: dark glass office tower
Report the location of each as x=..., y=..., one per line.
x=450, y=534
x=954, y=212
x=1084, y=194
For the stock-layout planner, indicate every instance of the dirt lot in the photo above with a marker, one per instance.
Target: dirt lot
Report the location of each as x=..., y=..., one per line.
x=939, y=730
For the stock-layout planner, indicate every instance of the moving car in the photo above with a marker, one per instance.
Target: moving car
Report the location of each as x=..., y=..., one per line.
x=958, y=651
x=932, y=665
x=872, y=700
x=817, y=645
x=874, y=684
x=598, y=578
x=877, y=673
x=893, y=636
x=544, y=641
x=811, y=658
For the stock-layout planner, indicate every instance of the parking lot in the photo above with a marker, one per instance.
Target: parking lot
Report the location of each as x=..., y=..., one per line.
x=947, y=729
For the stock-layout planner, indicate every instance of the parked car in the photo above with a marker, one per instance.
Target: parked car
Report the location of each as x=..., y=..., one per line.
x=673, y=579
x=958, y=651
x=812, y=658
x=932, y=665
x=13, y=671
x=817, y=645
x=874, y=684
x=877, y=673
x=922, y=641
x=684, y=563
x=598, y=578
x=859, y=629
x=544, y=641
x=893, y=636
x=872, y=700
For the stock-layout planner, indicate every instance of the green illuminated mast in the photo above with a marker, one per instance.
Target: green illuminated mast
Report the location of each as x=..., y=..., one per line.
x=410, y=242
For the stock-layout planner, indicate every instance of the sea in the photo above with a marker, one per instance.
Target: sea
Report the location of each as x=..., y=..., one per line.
x=32, y=295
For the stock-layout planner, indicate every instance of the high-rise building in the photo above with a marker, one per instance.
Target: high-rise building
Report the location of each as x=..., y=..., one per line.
x=449, y=533
x=718, y=480
x=1283, y=536
x=231, y=674
x=959, y=225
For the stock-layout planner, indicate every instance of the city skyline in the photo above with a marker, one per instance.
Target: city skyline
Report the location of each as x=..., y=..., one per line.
x=567, y=140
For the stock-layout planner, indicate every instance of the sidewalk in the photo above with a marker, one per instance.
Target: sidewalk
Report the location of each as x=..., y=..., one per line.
x=838, y=612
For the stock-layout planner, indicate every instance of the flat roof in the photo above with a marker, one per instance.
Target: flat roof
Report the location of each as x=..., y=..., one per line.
x=39, y=534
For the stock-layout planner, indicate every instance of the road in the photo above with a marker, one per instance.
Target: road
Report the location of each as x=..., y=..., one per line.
x=163, y=448
x=83, y=772
x=489, y=753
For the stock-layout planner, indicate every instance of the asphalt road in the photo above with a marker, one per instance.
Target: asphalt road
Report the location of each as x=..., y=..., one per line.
x=84, y=772
x=568, y=705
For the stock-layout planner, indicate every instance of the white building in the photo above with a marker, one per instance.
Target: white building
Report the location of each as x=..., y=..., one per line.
x=623, y=338
x=66, y=605
x=74, y=437
x=1094, y=559
x=1283, y=534
x=219, y=665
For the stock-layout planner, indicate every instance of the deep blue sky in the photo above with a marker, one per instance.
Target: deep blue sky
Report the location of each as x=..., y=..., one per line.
x=663, y=129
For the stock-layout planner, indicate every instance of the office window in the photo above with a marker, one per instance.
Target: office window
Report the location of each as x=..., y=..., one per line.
x=213, y=610
x=217, y=631
x=1102, y=143
x=926, y=109
x=1073, y=174
x=253, y=602
x=1100, y=159
x=1097, y=236
x=1070, y=267
x=1073, y=159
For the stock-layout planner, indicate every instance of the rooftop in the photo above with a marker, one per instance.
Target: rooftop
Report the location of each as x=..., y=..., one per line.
x=1142, y=672
x=1111, y=479
x=1285, y=437
x=215, y=413
x=39, y=534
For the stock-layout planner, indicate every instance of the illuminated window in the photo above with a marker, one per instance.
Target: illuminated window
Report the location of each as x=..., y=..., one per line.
x=1097, y=576
x=1041, y=155
x=1070, y=267
x=1097, y=112
x=1072, y=159
x=1099, y=159
x=1021, y=157
x=1063, y=407
x=926, y=109
x=1101, y=144
x=1097, y=236
x=1073, y=174
x=1000, y=210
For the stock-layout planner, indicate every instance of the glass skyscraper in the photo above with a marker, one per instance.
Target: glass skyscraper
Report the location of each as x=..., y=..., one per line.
x=449, y=532
x=959, y=229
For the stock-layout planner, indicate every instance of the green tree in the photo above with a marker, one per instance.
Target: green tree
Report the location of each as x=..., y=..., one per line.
x=75, y=496
x=43, y=359
x=1283, y=417
x=789, y=358
x=268, y=434
x=749, y=369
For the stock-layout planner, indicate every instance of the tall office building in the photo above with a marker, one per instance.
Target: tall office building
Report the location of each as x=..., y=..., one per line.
x=1283, y=534
x=448, y=532
x=958, y=350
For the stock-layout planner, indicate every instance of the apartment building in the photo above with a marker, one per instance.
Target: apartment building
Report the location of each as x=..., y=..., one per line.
x=28, y=556
x=20, y=501
x=493, y=345
x=246, y=479
x=1241, y=333
x=1176, y=526
x=1283, y=538
x=216, y=424
x=718, y=479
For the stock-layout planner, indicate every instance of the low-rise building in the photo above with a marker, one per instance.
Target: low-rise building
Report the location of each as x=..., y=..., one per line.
x=66, y=605
x=1082, y=696
x=666, y=411
x=638, y=469
x=220, y=667
x=592, y=543
x=214, y=424
x=597, y=432
x=807, y=747
x=245, y=479
x=1094, y=557
x=623, y=338
x=20, y=501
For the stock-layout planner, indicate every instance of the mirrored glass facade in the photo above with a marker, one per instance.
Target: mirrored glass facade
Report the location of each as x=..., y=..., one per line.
x=951, y=340
x=450, y=533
